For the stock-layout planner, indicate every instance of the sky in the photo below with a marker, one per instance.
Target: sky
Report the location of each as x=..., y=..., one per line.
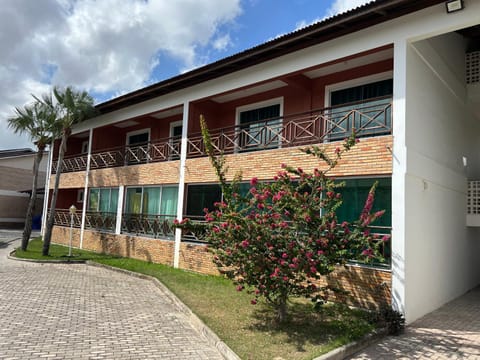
x=109, y=50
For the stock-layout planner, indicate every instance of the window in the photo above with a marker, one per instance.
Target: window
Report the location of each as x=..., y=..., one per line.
x=150, y=211
x=260, y=125
x=152, y=200
x=175, y=139
x=137, y=146
x=80, y=196
x=103, y=200
x=367, y=108
x=354, y=195
x=85, y=147
x=200, y=197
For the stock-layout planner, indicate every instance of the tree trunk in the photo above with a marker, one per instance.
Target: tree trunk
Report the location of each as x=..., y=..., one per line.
x=27, y=230
x=282, y=310
x=51, y=216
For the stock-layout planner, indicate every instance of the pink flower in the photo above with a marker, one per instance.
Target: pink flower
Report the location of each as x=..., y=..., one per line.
x=239, y=287
x=320, y=252
x=253, y=181
x=385, y=238
x=283, y=165
x=337, y=150
x=253, y=302
x=313, y=269
x=367, y=252
x=245, y=244
x=284, y=255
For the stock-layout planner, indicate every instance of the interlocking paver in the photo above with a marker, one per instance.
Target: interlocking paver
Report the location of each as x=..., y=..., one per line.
x=451, y=332
x=75, y=311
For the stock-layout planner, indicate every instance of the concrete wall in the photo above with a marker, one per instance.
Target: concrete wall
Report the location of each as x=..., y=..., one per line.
x=440, y=251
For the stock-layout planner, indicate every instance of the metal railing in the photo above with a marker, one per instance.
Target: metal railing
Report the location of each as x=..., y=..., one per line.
x=155, y=151
x=329, y=124
x=157, y=226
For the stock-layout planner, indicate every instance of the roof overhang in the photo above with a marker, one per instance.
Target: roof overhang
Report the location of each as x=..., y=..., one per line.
x=349, y=22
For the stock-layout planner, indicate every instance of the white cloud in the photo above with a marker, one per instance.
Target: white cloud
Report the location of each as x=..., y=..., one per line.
x=102, y=46
x=340, y=6
x=222, y=42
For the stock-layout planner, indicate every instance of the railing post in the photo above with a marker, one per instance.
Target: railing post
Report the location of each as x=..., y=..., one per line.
x=85, y=188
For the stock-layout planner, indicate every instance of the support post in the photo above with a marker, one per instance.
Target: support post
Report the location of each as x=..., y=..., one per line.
x=181, y=184
x=85, y=188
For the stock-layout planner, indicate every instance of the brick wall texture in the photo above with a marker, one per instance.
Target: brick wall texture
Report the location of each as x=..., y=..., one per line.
x=366, y=287
x=371, y=156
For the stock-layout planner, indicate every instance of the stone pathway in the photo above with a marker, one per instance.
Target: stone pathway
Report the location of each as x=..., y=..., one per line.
x=451, y=332
x=84, y=312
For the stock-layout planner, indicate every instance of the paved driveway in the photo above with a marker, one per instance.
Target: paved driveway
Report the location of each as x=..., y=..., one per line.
x=84, y=312
x=451, y=332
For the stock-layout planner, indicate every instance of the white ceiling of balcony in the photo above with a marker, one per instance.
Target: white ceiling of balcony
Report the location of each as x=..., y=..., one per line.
x=350, y=64
x=125, y=124
x=170, y=112
x=272, y=85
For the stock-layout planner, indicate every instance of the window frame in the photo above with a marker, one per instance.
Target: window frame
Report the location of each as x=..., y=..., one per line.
x=141, y=198
x=257, y=105
x=137, y=132
x=364, y=80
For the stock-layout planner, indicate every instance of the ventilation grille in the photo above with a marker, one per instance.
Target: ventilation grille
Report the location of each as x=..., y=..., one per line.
x=473, y=198
x=473, y=67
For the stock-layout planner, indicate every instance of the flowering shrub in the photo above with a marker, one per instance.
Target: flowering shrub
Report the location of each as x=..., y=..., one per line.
x=281, y=236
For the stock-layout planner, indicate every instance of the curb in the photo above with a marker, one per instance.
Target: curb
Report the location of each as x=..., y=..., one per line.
x=67, y=261
x=350, y=349
x=194, y=320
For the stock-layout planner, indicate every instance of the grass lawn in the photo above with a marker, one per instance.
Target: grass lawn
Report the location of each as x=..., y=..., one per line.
x=248, y=329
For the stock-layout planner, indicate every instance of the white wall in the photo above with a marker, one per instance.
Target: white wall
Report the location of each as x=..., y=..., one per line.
x=440, y=130
x=25, y=162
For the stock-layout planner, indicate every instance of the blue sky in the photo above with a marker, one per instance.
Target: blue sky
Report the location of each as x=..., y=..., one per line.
x=110, y=50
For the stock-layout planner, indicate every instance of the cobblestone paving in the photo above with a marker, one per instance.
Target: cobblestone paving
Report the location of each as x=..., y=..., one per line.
x=451, y=332
x=83, y=312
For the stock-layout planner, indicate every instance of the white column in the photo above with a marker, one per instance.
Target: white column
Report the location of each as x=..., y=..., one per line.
x=118, y=224
x=181, y=184
x=47, y=188
x=85, y=189
x=399, y=171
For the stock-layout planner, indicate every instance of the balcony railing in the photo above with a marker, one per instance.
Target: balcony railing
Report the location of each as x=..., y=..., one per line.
x=155, y=151
x=157, y=226
x=329, y=124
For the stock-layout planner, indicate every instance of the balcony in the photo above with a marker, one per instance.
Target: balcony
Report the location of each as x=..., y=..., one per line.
x=371, y=118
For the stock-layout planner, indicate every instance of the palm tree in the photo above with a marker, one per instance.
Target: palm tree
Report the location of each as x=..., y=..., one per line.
x=39, y=123
x=72, y=107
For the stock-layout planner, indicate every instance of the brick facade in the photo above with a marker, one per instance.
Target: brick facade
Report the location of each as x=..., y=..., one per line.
x=367, y=287
x=371, y=156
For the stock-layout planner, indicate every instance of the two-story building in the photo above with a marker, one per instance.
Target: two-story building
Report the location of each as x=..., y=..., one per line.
x=403, y=73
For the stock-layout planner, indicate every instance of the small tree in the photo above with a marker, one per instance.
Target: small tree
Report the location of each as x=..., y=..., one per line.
x=39, y=123
x=283, y=236
x=72, y=107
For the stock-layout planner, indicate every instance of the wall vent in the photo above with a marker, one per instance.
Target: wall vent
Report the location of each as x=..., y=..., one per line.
x=473, y=203
x=473, y=67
